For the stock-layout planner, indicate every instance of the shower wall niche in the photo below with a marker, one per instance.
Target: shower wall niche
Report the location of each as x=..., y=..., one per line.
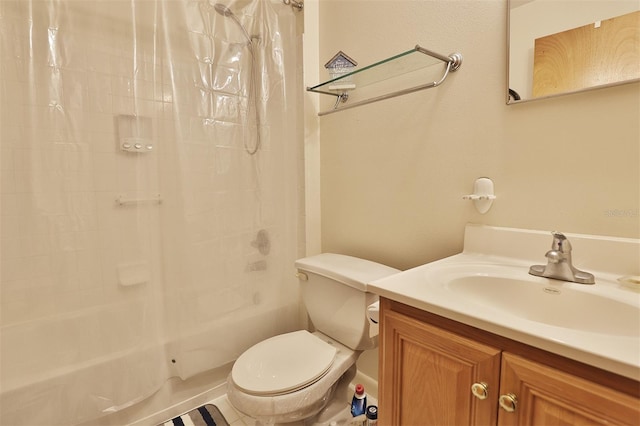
x=135, y=134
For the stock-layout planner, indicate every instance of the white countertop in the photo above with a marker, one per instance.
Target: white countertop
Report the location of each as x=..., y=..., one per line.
x=491, y=249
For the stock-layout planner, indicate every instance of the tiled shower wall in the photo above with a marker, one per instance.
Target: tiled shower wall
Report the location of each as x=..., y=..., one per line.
x=85, y=273
x=63, y=88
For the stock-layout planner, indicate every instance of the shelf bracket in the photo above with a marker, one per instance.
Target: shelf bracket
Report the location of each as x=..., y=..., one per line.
x=342, y=97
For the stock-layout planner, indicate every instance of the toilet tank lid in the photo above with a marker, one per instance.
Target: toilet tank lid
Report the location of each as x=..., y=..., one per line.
x=353, y=271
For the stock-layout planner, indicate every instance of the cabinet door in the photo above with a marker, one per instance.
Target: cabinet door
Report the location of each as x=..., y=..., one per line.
x=547, y=396
x=426, y=375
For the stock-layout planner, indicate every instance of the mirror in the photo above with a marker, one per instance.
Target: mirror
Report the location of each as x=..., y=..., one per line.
x=557, y=47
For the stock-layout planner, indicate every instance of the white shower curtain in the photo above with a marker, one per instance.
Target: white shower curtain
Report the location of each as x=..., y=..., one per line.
x=150, y=187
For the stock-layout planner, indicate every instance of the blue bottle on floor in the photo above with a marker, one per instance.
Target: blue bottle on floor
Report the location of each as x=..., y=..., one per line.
x=359, y=401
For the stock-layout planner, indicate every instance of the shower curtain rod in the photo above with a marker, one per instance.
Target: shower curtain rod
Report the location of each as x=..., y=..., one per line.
x=294, y=3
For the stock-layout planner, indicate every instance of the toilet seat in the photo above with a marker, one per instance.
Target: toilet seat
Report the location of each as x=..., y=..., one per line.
x=283, y=364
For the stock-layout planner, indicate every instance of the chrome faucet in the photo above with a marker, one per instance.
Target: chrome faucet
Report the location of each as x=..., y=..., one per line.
x=559, y=264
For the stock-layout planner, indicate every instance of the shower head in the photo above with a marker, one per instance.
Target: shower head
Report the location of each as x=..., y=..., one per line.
x=223, y=10
x=228, y=13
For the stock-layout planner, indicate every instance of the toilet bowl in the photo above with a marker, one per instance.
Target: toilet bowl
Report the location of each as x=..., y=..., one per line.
x=292, y=376
x=305, y=388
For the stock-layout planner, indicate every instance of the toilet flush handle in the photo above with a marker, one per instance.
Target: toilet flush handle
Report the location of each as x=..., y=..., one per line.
x=302, y=276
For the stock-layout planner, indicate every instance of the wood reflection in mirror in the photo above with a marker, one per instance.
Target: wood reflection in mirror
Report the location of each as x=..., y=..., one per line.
x=592, y=55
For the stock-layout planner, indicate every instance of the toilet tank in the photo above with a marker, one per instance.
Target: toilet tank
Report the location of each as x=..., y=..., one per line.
x=334, y=291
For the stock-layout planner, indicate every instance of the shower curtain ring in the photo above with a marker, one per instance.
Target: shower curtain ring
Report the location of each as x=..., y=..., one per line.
x=297, y=4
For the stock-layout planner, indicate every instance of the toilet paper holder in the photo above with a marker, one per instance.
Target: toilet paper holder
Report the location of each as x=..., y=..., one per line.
x=373, y=312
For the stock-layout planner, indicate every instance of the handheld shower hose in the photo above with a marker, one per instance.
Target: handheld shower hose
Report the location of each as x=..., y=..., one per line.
x=228, y=13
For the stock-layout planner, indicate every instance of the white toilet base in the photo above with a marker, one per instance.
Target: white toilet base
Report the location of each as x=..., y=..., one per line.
x=339, y=404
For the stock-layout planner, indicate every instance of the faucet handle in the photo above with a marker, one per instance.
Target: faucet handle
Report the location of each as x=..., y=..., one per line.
x=560, y=242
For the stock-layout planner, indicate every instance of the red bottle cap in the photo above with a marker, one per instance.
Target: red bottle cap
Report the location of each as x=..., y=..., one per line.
x=359, y=389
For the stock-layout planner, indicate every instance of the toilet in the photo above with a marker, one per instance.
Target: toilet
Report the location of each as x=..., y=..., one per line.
x=292, y=376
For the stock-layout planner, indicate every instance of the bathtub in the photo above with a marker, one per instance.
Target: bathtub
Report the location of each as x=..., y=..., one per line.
x=76, y=367
x=68, y=368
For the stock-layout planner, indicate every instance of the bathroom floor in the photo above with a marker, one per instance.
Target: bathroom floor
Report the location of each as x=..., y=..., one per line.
x=235, y=418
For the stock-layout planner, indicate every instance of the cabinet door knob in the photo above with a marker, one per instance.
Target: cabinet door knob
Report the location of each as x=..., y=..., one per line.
x=508, y=402
x=480, y=390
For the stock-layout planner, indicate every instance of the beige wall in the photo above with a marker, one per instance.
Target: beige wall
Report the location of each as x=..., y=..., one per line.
x=393, y=173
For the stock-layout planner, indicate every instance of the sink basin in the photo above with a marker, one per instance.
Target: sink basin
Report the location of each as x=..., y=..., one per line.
x=488, y=286
x=510, y=290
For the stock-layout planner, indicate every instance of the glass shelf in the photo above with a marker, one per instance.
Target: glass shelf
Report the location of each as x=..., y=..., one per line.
x=403, y=63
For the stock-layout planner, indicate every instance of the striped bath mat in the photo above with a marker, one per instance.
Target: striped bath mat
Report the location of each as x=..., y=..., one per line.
x=207, y=415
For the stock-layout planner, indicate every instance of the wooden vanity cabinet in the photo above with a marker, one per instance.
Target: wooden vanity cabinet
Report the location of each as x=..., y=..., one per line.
x=427, y=375
x=429, y=365
x=548, y=396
